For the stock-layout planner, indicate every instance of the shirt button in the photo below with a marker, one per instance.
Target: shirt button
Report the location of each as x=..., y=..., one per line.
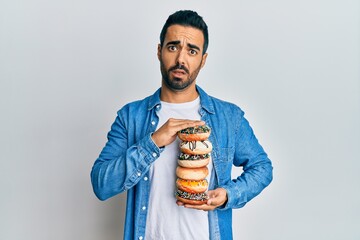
x=145, y=178
x=153, y=122
x=139, y=174
x=143, y=208
x=154, y=154
x=141, y=238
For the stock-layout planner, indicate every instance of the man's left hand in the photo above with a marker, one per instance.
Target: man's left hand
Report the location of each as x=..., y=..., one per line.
x=217, y=198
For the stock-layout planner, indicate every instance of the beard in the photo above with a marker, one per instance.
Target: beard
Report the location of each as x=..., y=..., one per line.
x=178, y=84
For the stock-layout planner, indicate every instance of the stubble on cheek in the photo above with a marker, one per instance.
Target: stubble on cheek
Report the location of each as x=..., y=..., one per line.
x=178, y=83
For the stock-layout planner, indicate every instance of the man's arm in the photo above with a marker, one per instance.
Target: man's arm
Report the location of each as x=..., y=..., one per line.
x=120, y=167
x=256, y=176
x=256, y=165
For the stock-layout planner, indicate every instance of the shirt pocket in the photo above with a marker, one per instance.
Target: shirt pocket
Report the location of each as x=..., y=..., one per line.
x=225, y=154
x=223, y=160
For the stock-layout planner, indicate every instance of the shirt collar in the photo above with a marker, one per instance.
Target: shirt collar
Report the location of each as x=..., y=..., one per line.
x=154, y=100
x=205, y=100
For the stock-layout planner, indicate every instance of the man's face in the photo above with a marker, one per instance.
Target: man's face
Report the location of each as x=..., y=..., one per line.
x=181, y=56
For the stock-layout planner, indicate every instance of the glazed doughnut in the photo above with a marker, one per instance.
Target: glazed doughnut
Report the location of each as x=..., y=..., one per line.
x=191, y=198
x=193, y=161
x=199, y=133
x=196, y=147
x=192, y=173
x=192, y=186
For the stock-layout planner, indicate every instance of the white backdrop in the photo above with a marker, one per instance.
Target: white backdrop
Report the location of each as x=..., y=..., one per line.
x=66, y=67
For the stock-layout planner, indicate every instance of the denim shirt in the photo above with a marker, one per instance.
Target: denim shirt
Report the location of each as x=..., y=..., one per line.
x=125, y=160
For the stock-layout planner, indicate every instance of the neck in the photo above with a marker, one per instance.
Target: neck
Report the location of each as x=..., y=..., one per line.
x=171, y=96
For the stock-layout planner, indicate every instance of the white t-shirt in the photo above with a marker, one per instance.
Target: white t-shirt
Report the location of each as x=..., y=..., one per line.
x=165, y=219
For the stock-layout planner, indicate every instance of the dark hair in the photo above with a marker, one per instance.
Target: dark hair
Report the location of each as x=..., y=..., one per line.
x=186, y=18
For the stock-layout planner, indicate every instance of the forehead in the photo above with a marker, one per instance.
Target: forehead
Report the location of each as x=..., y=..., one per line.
x=184, y=34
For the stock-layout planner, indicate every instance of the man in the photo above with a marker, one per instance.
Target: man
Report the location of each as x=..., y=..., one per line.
x=140, y=156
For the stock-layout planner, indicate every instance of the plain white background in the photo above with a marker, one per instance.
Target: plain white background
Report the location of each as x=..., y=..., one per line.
x=66, y=67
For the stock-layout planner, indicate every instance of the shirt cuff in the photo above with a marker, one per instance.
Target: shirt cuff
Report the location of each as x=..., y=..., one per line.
x=233, y=198
x=149, y=150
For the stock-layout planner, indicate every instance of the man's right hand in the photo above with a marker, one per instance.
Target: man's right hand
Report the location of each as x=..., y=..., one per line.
x=166, y=134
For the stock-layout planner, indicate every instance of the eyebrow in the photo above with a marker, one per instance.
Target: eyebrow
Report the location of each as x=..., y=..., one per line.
x=193, y=46
x=178, y=42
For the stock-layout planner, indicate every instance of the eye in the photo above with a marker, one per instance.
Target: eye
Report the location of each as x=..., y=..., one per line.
x=172, y=48
x=193, y=52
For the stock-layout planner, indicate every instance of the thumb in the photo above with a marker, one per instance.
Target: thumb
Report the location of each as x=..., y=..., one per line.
x=216, y=197
x=212, y=198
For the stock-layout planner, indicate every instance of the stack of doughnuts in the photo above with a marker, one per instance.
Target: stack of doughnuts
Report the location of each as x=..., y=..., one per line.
x=192, y=165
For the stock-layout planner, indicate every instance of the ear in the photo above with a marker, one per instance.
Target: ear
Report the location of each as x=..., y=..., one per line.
x=159, y=51
x=203, y=61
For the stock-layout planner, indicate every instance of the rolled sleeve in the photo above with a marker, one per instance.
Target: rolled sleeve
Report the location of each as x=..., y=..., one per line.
x=148, y=149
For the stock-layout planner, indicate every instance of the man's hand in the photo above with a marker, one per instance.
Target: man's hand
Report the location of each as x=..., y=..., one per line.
x=217, y=198
x=166, y=134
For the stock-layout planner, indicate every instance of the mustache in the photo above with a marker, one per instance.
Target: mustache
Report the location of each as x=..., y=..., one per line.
x=180, y=67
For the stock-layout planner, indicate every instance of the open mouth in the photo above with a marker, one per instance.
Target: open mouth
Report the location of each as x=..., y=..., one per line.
x=178, y=72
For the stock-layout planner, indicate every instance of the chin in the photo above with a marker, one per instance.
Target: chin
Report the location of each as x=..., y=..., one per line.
x=177, y=84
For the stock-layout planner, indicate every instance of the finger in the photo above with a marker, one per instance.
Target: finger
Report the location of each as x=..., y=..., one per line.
x=203, y=207
x=215, y=199
x=213, y=202
x=179, y=121
x=179, y=125
x=166, y=134
x=211, y=193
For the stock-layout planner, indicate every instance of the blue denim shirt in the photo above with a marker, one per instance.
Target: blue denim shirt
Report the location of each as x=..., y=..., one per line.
x=125, y=160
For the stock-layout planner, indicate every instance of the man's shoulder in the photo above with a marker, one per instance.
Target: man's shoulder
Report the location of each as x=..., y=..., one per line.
x=215, y=104
x=221, y=104
x=139, y=102
x=135, y=106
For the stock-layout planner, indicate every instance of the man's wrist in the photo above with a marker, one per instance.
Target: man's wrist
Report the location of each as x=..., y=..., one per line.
x=155, y=141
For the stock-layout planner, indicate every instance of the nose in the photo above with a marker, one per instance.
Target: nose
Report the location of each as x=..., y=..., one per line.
x=181, y=57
